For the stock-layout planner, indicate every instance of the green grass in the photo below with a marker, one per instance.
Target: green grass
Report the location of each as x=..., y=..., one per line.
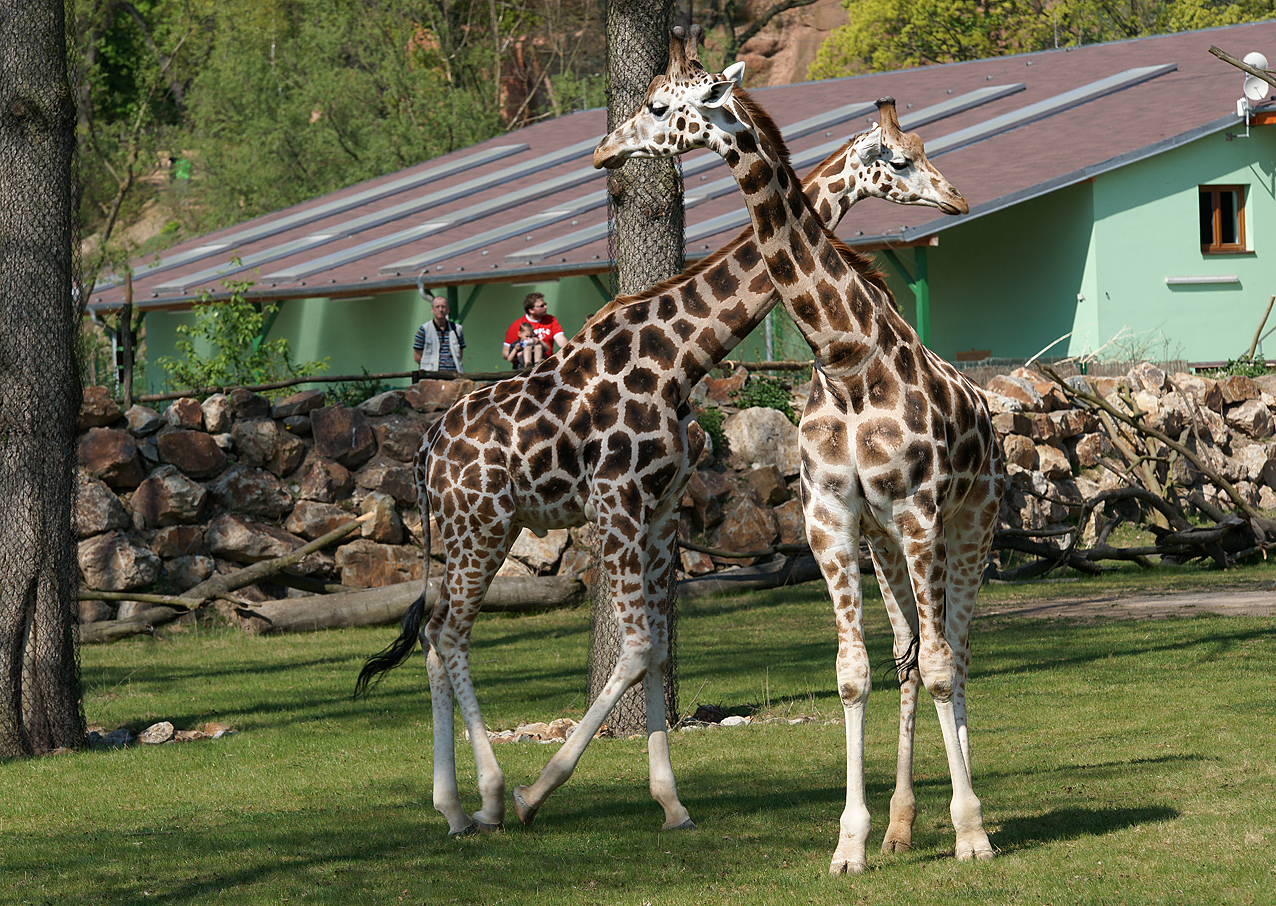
x=1118, y=762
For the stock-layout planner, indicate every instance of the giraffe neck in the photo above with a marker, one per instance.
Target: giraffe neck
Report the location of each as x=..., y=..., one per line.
x=833, y=295
x=715, y=304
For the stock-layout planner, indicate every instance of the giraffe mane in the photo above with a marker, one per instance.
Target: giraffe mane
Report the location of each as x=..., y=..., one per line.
x=858, y=262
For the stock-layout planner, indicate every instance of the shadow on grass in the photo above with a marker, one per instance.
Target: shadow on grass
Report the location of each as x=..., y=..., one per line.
x=1069, y=823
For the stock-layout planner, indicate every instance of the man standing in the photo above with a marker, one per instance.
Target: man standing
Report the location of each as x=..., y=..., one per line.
x=439, y=343
x=544, y=325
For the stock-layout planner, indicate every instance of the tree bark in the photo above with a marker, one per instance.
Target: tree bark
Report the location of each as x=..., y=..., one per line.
x=40, y=704
x=647, y=230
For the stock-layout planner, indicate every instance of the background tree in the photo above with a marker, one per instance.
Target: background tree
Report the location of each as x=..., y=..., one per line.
x=40, y=704
x=883, y=35
x=647, y=220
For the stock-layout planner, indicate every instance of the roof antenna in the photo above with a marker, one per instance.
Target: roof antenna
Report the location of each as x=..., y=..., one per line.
x=1254, y=89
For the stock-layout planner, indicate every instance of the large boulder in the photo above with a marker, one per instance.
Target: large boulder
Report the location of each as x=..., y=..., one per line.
x=343, y=434
x=194, y=452
x=97, y=509
x=238, y=539
x=117, y=561
x=367, y=564
x=541, y=554
x=112, y=456
x=323, y=480
x=760, y=436
x=98, y=409
x=252, y=491
x=167, y=497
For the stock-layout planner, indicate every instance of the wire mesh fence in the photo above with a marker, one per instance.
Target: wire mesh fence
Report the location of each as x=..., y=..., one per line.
x=40, y=703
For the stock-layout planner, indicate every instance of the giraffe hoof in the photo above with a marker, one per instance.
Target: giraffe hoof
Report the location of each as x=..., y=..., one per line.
x=484, y=828
x=894, y=845
x=686, y=825
x=525, y=812
x=468, y=831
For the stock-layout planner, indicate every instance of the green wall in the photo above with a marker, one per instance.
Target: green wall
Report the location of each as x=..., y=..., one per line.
x=374, y=333
x=1091, y=260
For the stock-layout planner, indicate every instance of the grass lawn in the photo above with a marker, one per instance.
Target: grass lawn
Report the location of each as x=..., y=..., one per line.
x=1118, y=762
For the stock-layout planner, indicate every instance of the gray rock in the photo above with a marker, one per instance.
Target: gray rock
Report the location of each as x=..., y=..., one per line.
x=763, y=437
x=143, y=421
x=217, y=413
x=97, y=509
x=252, y=491
x=237, y=539
x=297, y=404
x=116, y=562
x=167, y=497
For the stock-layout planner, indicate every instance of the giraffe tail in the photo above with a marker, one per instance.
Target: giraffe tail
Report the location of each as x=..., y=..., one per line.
x=401, y=648
x=396, y=652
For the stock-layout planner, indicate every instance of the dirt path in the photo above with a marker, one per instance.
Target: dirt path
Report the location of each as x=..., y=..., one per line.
x=1250, y=602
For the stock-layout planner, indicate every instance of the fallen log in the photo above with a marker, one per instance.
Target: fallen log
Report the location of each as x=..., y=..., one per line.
x=789, y=571
x=141, y=623
x=388, y=604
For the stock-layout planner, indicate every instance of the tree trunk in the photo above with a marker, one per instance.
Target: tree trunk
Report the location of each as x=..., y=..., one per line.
x=40, y=704
x=647, y=247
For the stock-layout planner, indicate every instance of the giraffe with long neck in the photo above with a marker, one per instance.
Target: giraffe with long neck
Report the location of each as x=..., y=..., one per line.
x=894, y=443
x=600, y=431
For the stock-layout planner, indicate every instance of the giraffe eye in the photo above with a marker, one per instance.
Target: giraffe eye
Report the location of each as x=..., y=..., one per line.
x=899, y=164
x=658, y=109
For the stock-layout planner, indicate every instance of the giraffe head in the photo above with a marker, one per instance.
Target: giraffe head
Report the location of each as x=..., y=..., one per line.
x=683, y=109
x=887, y=162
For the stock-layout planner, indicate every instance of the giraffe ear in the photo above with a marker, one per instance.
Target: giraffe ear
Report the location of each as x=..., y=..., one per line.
x=719, y=93
x=871, y=148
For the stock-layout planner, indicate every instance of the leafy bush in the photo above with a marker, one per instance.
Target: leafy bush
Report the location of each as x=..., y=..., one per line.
x=1244, y=368
x=352, y=393
x=232, y=330
x=711, y=420
x=767, y=392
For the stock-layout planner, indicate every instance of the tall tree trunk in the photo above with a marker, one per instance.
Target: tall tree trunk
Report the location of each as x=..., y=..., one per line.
x=647, y=247
x=40, y=704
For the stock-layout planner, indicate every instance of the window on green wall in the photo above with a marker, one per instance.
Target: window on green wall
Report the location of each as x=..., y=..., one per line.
x=1222, y=219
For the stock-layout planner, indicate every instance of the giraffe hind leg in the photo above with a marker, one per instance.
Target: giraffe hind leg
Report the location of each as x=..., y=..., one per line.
x=897, y=595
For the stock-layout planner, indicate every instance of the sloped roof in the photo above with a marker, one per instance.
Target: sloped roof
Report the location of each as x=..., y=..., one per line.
x=528, y=205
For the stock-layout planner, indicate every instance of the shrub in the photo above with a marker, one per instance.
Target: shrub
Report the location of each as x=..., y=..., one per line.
x=767, y=392
x=711, y=420
x=239, y=355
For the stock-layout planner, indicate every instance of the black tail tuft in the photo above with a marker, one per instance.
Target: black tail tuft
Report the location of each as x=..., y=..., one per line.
x=905, y=665
x=398, y=650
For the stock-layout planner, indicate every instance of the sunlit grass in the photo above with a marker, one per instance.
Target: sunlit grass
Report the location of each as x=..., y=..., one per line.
x=1118, y=762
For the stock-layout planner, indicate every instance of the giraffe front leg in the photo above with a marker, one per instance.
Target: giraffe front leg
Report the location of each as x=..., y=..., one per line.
x=622, y=551
x=834, y=537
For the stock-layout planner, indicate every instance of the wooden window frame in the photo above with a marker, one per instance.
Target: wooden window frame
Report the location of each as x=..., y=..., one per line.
x=1214, y=246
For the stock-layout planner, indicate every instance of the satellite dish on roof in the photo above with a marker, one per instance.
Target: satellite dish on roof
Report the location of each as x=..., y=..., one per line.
x=1255, y=59
x=1255, y=88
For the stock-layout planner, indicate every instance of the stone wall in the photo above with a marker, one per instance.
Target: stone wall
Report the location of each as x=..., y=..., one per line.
x=167, y=500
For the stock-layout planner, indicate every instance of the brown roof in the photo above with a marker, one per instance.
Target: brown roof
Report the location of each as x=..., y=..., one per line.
x=529, y=204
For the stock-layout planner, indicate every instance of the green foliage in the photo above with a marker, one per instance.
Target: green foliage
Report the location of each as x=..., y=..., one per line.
x=711, y=420
x=352, y=393
x=1244, y=368
x=882, y=35
x=319, y=94
x=225, y=347
x=767, y=392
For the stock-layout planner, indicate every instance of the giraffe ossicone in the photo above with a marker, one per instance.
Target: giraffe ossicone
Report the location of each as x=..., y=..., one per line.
x=894, y=443
x=601, y=431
